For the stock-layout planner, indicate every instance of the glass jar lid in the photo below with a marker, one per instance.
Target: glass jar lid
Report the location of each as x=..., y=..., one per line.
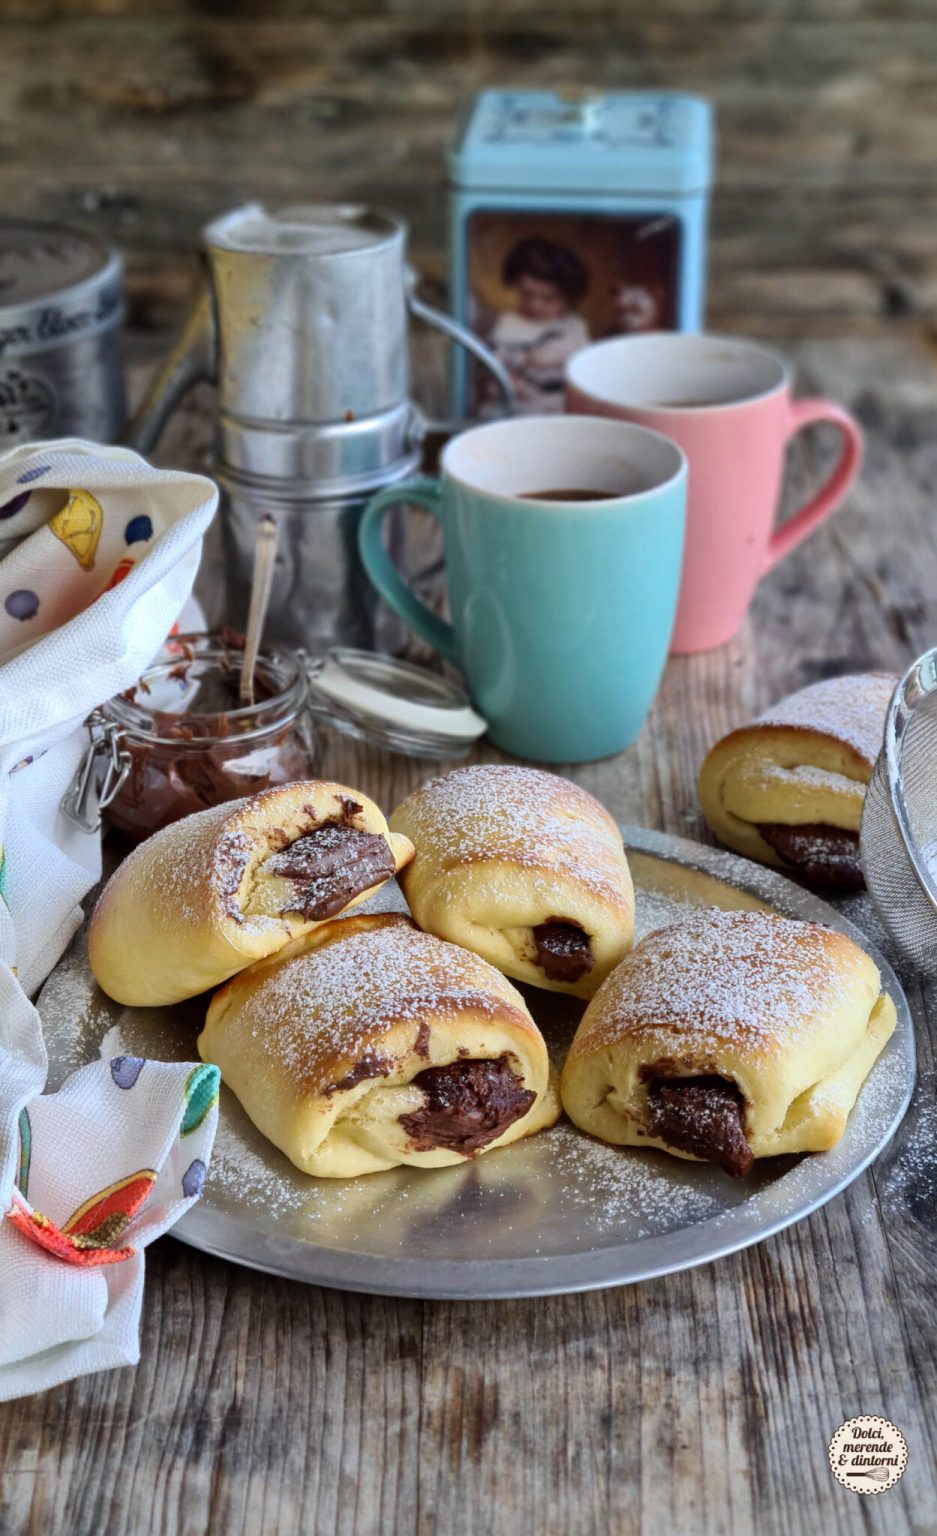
x=191, y=693
x=393, y=703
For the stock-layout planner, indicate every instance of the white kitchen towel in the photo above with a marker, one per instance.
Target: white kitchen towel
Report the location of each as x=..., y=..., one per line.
x=98, y=552
x=88, y=1177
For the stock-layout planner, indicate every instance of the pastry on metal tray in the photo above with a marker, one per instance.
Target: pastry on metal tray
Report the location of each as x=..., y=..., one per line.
x=729, y=1037
x=788, y=790
x=524, y=868
x=207, y=895
x=367, y=1044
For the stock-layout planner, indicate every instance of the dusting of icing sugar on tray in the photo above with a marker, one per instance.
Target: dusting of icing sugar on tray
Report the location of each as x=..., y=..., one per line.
x=557, y=1212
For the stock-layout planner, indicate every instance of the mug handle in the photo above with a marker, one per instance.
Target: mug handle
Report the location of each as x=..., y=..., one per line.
x=384, y=574
x=803, y=413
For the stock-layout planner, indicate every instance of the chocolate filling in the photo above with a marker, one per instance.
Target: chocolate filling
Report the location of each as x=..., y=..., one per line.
x=563, y=952
x=467, y=1105
x=826, y=856
x=330, y=867
x=703, y=1116
x=369, y=1064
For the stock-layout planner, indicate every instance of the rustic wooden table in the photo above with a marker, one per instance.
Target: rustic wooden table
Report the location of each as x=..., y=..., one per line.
x=699, y=1403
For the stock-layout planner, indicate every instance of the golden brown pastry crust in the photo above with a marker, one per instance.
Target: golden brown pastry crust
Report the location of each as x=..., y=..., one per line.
x=322, y=1043
x=804, y=763
x=502, y=850
x=792, y=1013
x=198, y=900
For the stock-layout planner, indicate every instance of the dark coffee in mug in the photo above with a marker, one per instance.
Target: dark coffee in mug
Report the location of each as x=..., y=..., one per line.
x=572, y=495
x=560, y=631
x=685, y=405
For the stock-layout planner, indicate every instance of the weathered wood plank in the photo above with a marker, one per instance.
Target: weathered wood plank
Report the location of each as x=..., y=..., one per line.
x=703, y=1402
x=825, y=202
x=699, y=1403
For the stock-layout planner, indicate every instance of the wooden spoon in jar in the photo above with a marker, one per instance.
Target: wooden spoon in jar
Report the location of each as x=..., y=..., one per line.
x=265, y=553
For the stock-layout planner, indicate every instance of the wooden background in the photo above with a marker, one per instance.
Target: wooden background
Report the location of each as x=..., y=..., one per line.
x=147, y=119
x=702, y=1403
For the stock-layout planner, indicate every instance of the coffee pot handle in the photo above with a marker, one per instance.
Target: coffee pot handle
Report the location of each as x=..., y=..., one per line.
x=191, y=361
x=462, y=338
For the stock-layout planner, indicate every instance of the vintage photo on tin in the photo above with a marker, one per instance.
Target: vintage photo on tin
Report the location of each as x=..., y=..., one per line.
x=542, y=285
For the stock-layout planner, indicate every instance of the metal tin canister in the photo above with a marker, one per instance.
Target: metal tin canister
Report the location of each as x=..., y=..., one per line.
x=61, y=304
x=574, y=215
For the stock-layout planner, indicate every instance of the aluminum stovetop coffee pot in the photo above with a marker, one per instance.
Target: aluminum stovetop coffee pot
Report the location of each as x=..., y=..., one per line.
x=302, y=322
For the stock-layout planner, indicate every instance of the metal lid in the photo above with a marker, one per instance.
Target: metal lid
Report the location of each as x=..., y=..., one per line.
x=393, y=704
x=56, y=284
x=39, y=262
x=319, y=230
x=618, y=141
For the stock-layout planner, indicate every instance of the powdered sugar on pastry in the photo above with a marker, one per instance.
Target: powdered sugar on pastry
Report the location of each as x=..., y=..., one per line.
x=366, y=1044
x=493, y=811
x=370, y=973
x=724, y=976
x=523, y=867
x=206, y=895
x=808, y=775
x=785, y=789
x=783, y=1019
x=850, y=709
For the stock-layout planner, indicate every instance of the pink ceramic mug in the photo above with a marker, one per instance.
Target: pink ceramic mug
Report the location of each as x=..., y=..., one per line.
x=728, y=405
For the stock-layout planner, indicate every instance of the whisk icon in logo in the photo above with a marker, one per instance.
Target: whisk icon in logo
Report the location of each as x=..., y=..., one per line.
x=868, y=1454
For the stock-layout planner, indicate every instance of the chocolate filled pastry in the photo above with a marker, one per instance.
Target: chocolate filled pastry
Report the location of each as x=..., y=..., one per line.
x=209, y=894
x=368, y=1044
x=525, y=868
x=730, y=1036
x=788, y=790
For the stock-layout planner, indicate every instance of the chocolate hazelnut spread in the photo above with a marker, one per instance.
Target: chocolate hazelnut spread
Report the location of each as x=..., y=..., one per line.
x=469, y=1103
x=331, y=866
x=563, y=952
x=211, y=749
x=703, y=1116
x=217, y=692
x=369, y=1064
x=826, y=856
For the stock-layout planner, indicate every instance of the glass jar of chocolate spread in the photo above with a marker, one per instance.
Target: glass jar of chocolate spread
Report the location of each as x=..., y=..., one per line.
x=190, y=741
x=180, y=739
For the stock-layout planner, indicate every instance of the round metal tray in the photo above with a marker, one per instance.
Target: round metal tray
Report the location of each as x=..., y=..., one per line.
x=558, y=1212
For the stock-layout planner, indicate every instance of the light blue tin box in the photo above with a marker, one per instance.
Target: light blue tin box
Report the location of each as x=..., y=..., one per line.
x=572, y=217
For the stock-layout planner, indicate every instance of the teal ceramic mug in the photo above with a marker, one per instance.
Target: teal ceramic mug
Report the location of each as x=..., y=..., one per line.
x=563, y=542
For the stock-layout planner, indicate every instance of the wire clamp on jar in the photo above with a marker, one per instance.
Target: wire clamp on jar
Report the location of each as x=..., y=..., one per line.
x=89, y=794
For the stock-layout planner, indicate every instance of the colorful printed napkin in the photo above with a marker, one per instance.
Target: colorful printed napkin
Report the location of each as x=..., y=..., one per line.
x=98, y=552
x=88, y=1177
